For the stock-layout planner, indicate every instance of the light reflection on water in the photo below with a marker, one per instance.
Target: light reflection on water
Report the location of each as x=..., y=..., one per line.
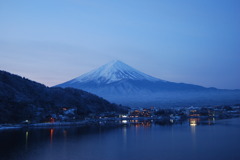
x=51, y=135
x=139, y=140
x=198, y=121
x=26, y=142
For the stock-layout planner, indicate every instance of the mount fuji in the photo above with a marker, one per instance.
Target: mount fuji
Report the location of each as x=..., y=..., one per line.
x=120, y=83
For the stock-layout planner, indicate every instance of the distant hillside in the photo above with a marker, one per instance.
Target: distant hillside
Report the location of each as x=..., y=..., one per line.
x=22, y=99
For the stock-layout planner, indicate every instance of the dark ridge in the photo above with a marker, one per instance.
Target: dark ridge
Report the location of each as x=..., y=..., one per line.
x=22, y=99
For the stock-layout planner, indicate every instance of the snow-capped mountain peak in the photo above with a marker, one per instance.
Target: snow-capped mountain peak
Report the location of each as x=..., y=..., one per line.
x=120, y=83
x=112, y=72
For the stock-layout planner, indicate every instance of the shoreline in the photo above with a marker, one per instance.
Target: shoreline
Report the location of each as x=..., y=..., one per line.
x=102, y=122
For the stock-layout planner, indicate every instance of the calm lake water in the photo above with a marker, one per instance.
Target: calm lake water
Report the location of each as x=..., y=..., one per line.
x=147, y=141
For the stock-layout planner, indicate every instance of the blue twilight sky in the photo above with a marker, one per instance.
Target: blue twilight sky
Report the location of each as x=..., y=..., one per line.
x=191, y=41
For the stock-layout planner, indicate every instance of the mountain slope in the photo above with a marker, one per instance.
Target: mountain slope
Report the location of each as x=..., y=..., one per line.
x=22, y=99
x=117, y=77
x=121, y=83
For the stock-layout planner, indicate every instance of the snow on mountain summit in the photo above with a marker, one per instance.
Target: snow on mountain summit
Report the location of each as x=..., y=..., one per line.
x=112, y=72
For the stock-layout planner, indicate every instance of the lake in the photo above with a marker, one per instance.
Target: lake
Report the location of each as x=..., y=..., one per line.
x=143, y=141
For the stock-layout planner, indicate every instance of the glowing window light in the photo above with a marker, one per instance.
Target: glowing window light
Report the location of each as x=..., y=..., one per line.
x=124, y=121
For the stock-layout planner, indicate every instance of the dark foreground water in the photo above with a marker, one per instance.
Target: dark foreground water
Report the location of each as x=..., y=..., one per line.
x=220, y=141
